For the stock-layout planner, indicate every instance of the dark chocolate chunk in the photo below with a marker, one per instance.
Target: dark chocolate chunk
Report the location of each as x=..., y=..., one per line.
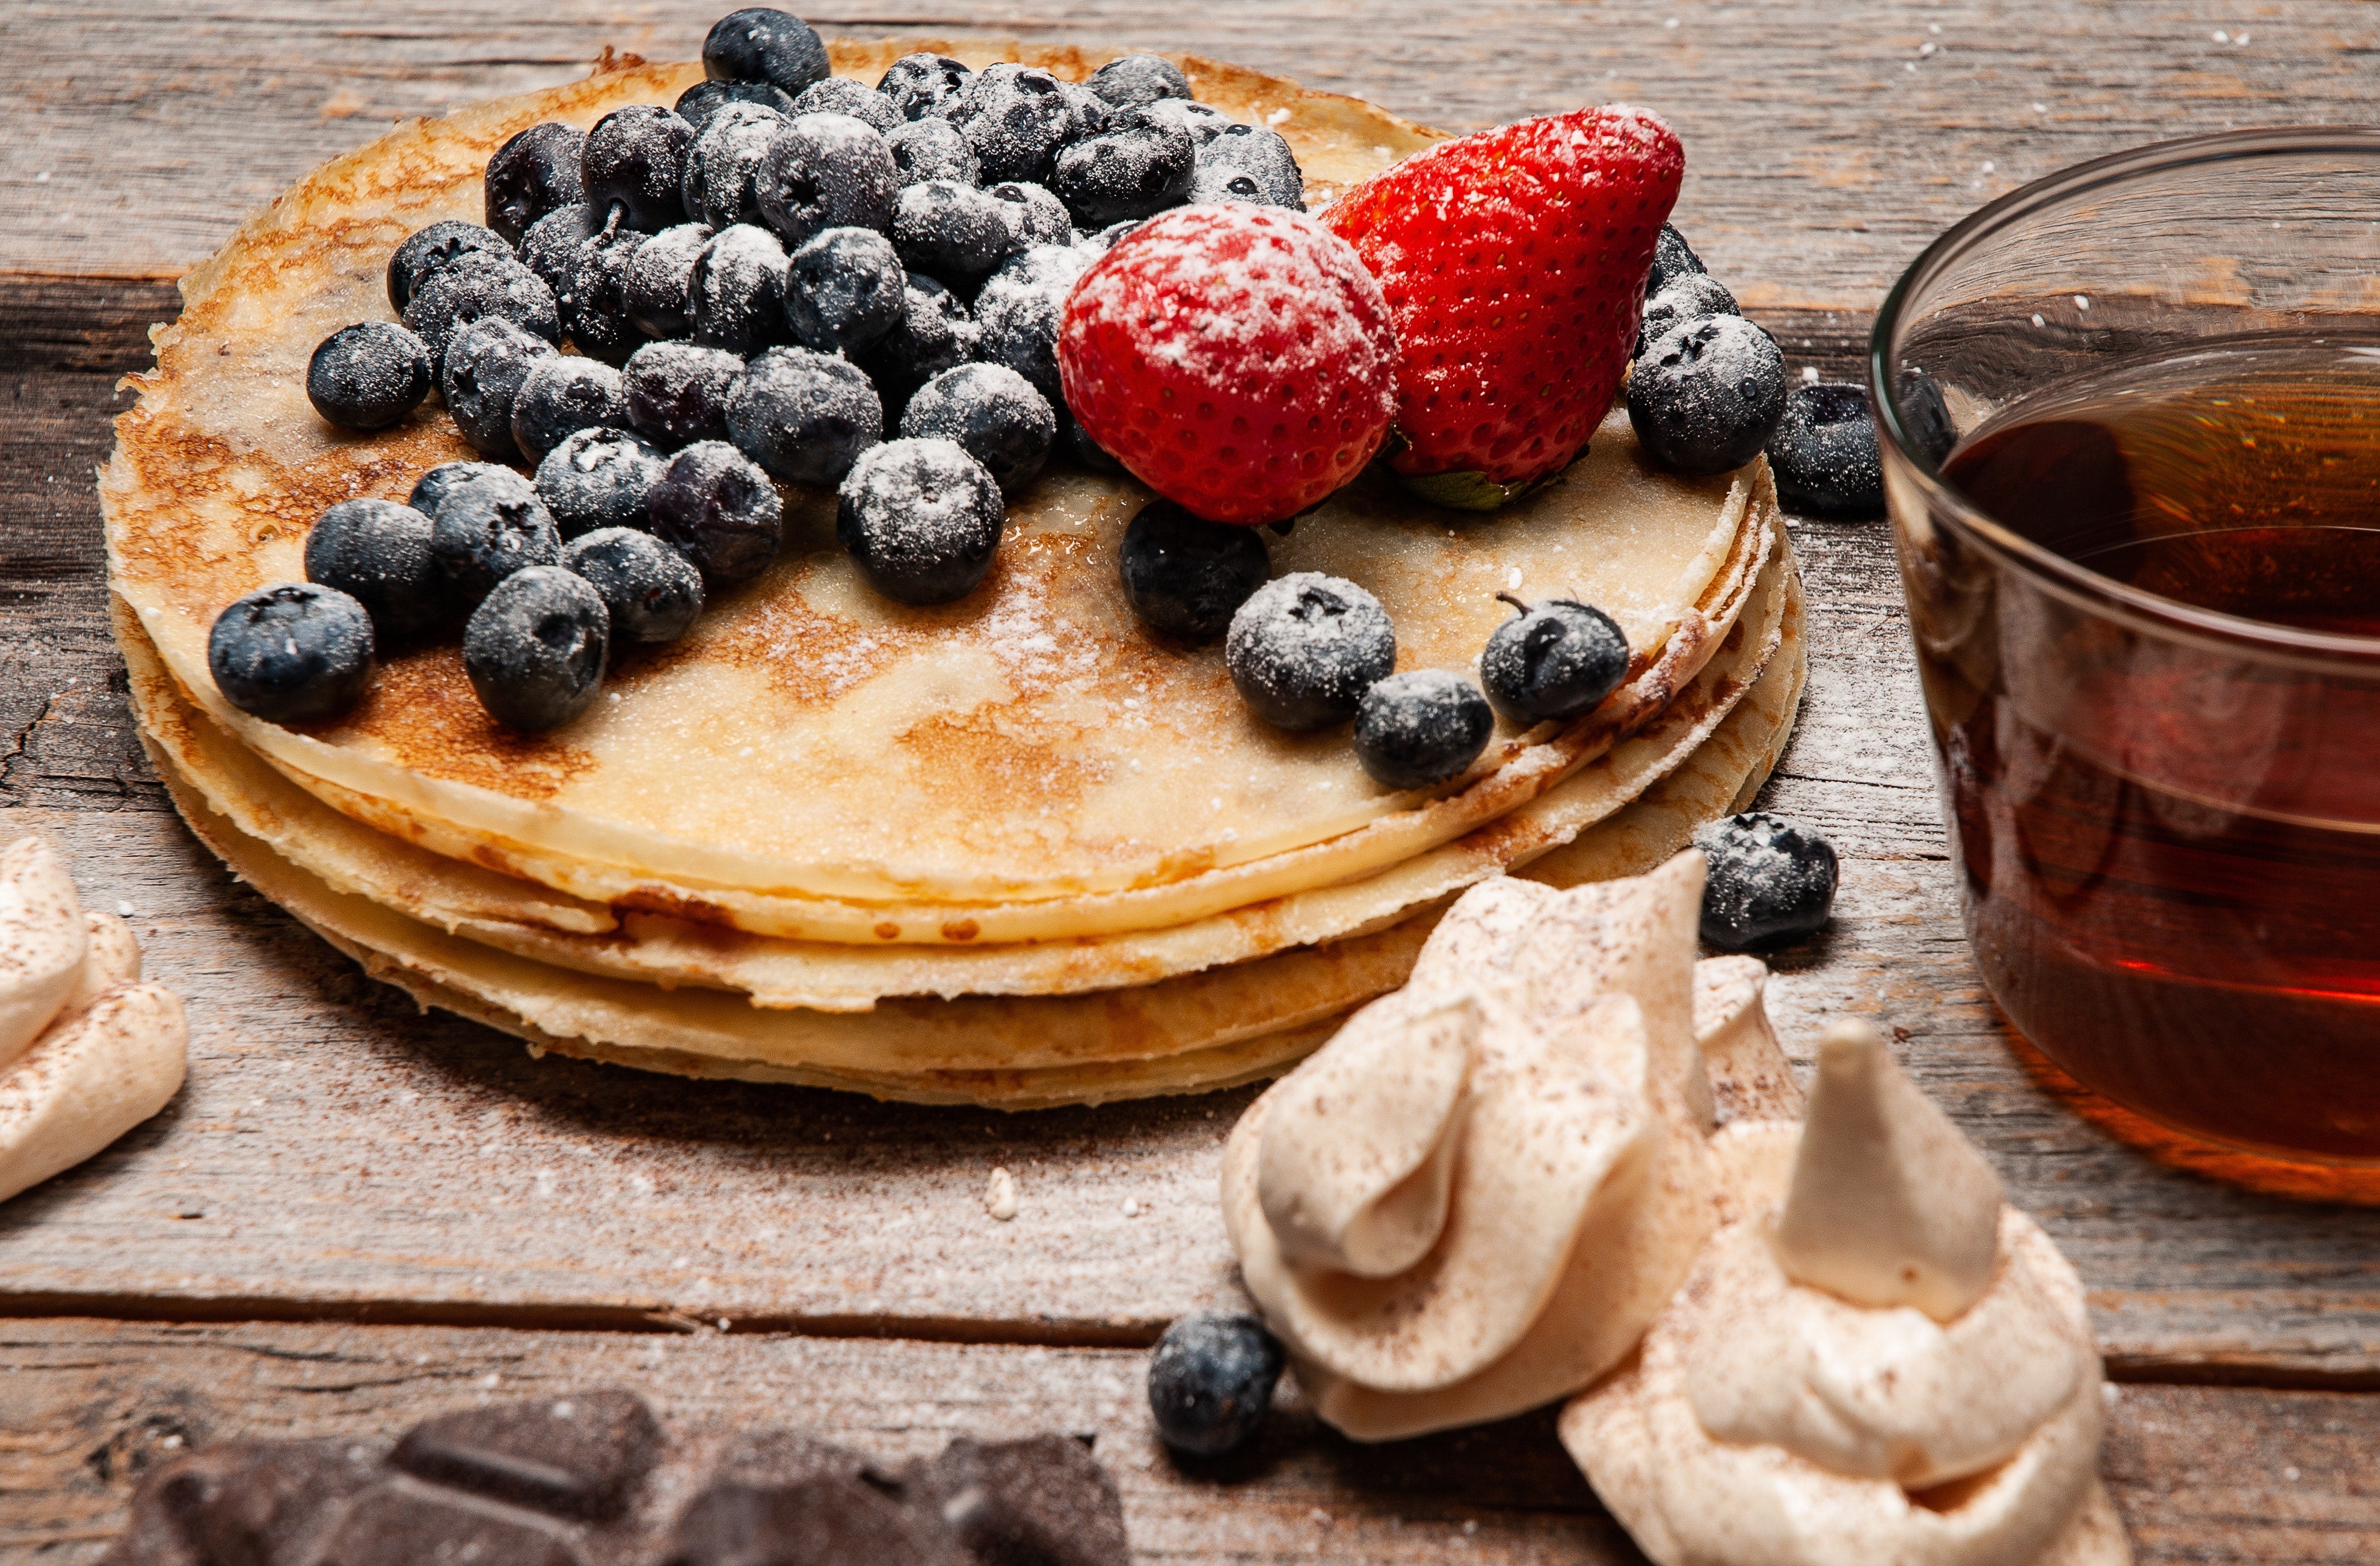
x=577, y=1456
x=400, y=1523
x=831, y=1520
x=1041, y=1501
x=242, y=1503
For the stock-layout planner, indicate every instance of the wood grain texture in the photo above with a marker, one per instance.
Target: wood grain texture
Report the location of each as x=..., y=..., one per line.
x=2201, y=1474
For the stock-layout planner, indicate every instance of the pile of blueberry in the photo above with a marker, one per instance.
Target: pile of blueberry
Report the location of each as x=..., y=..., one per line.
x=760, y=283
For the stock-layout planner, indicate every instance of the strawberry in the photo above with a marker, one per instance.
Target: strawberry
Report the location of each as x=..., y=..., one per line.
x=1238, y=360
x=1514, y=264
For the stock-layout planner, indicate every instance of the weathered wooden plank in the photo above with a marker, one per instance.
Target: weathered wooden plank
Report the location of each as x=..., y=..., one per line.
x=2200, y=1473
x=1827, y=142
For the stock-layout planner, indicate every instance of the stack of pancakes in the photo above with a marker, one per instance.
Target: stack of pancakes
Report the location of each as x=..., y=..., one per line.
x=1016, y=850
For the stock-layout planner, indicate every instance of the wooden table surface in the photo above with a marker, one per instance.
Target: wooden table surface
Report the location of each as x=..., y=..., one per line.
x=355, y=1214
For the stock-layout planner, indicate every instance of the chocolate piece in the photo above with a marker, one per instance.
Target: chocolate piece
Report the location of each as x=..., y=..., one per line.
x=243, y=1503
x=574, y=1457
x=1041, y=1501
x=402, y=1525
x=832, y=1520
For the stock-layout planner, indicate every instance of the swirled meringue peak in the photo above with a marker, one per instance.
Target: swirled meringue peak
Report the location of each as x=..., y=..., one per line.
x=1883, y=1362
x=1473, y=1198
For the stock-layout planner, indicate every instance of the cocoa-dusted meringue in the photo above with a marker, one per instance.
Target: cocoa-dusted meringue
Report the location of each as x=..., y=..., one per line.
x=1472, y=1200
x=86, y=1051
x=1893, y=1366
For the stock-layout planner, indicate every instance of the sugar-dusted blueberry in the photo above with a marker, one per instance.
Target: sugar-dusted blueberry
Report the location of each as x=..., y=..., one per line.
x=722, y=184
x=1825, y=454
x=426, y=250
x=704, y=98
x=1305, y=647
x=828, y=171
x=488, y=527
x=1039, y=217
x=1771, y=879
x=1135, y=80
x=953, y=231
x=595, y=311
x=368, y=376
x=1694, y=296
x=636, y=160
x=994, y=415
x=678, y=392
x=804, y=416
x=562, y=395
x=1021, y=307
x=551, y=245
x=844, y=291
x=536, y=647
x=1134, y=168
x=485, y=366
x=1015, y=118
x=1091, y=111
x=431, y=491
x=841, y=95
x=936, y=333
x=1264, y=156
x=474, y=288
x=599, y=478
x=735, y=296
x=1672, y=259
x=921, y=520
x=1203, y=121
x=1705, y=395
x=931, y=149
x=1553, y=660
x=654, y=593
x=659, y=278
x=532, y=174
x=1211, y=1380
x=924, y=85
x=1418, y=729
x=1187, y=577
x=292, y=653
x=377, y=552
x=761, y=44
x=1100, y=241
x=714, y=506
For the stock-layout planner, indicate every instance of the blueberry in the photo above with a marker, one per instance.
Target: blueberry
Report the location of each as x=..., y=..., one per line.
x=764, y=45
x=721, y=182
x=1264, y=156
x=486, y=530
x=1186, y=576
x=828, y=171
x=368, y=376
x=1091, y=111
x=1036, y=213
x=921, y=520
x=1105, y=239
x=431, y=491
x=936, y=333
x=806, y=417
x=1202, y=122
x=1217, y=184
x=1925, y=416
x=844, y=291
x=714, y=506
x=1021, y=308
x=1211, y=1380
x=932, y=149
x=993, y=414
x=536, y=647
x=430, y=249
x=678, y=392
x=1135, y=79
x=953, y=231
x=1015, y=118
x=735, y=298
x=1824, y=452
x=925, y=86
x=1305, y=647
x=377, y=552
x=1672, y=259
x=562, y=396
x=595, y=311
x=1706, y=394
x=841, y=95
x=659, y=278
x=551, y=247
x=636, y=160
x=1134, y=168
x=475, y=289
x=1694, y=296
x=652, y=591
x=1771, y=879
x=1421, y=728
x=292, y=653
x=485, y=366
x=1553, y=660
x=533, y=174
x=704, y=98
x=599, y=478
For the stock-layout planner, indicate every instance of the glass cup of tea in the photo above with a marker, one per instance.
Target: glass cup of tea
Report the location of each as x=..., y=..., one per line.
x=2130, y=427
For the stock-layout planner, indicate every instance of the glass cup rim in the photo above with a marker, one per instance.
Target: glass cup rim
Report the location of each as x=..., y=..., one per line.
x=2079, y=584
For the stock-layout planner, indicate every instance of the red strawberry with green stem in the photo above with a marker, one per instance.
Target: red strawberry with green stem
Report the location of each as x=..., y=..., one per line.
x=1514, y=265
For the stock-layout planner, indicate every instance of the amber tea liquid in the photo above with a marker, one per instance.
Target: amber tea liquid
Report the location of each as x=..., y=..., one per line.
x=2172, y=855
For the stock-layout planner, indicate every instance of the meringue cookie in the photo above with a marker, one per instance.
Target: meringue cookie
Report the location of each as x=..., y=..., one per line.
x=42, y=940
